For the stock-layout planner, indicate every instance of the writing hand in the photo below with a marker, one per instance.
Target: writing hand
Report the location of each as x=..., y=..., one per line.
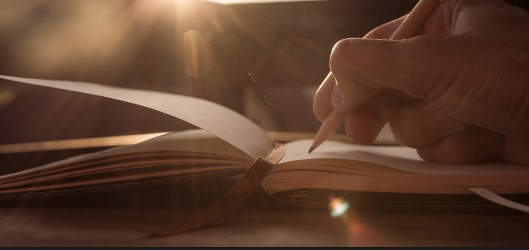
x=458, y=91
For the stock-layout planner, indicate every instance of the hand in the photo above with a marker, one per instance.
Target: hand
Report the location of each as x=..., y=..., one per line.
x=458, y=91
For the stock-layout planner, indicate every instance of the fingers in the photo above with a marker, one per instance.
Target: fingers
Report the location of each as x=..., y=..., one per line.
x=421, y=125
x=364, y=123
x=439, y=22
x=450, y=73
x=442, y=139
x=349, y=88
x=349, y=94
x=436, y=137
x=360, y=66
x=413, y=123
x=474, y=144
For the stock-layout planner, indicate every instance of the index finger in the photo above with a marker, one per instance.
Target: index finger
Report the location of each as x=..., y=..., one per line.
x=354, y=95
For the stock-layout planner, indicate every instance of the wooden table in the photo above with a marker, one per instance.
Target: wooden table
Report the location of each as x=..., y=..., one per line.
x=111, y=218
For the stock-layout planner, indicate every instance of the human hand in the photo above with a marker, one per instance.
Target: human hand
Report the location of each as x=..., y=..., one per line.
x=458, y=91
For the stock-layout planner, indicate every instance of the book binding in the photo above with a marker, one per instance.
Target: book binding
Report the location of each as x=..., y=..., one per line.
x=235, y=196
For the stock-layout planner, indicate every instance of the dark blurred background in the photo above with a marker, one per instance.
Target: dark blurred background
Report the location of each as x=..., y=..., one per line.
x=264, y=60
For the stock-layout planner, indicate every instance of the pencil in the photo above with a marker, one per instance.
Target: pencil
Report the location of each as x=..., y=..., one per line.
x=406, y=29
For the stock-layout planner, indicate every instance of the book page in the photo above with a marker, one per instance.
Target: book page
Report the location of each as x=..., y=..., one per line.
x=389, y=169
x=184, y=155
x=395, y=157
x=224, y=123
x=192, y=142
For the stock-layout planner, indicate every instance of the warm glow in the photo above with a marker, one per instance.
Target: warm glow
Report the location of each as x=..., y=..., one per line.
x=360, y=233
x=6, y=96
x=185, y=4
x=338, y=206
x=196, y=54
x=257, y=1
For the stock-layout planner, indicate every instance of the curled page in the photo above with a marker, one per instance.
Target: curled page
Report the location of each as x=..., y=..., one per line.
x=224, y=123
x=491, y=196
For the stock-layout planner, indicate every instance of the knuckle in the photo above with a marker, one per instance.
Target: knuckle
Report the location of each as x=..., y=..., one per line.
x=342, y=53
x=459, y=149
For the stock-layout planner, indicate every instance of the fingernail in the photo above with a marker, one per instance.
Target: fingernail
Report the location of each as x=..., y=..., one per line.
x=337, y=98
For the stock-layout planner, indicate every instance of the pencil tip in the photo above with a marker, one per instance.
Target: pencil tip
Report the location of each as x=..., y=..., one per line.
x=311, y=149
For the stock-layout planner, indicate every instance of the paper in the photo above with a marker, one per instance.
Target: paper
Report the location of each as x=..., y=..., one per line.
x=396, y=157
x=224, y=123
x=491, y=196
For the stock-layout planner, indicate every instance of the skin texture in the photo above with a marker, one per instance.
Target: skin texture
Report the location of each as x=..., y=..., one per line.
x=458, y=91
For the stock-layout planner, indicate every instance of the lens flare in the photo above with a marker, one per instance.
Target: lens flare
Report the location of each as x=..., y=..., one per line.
x=338, y=206
x=196, y=54
x=6, y=97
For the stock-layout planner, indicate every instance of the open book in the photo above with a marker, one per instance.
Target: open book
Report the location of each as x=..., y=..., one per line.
x=226, y=144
